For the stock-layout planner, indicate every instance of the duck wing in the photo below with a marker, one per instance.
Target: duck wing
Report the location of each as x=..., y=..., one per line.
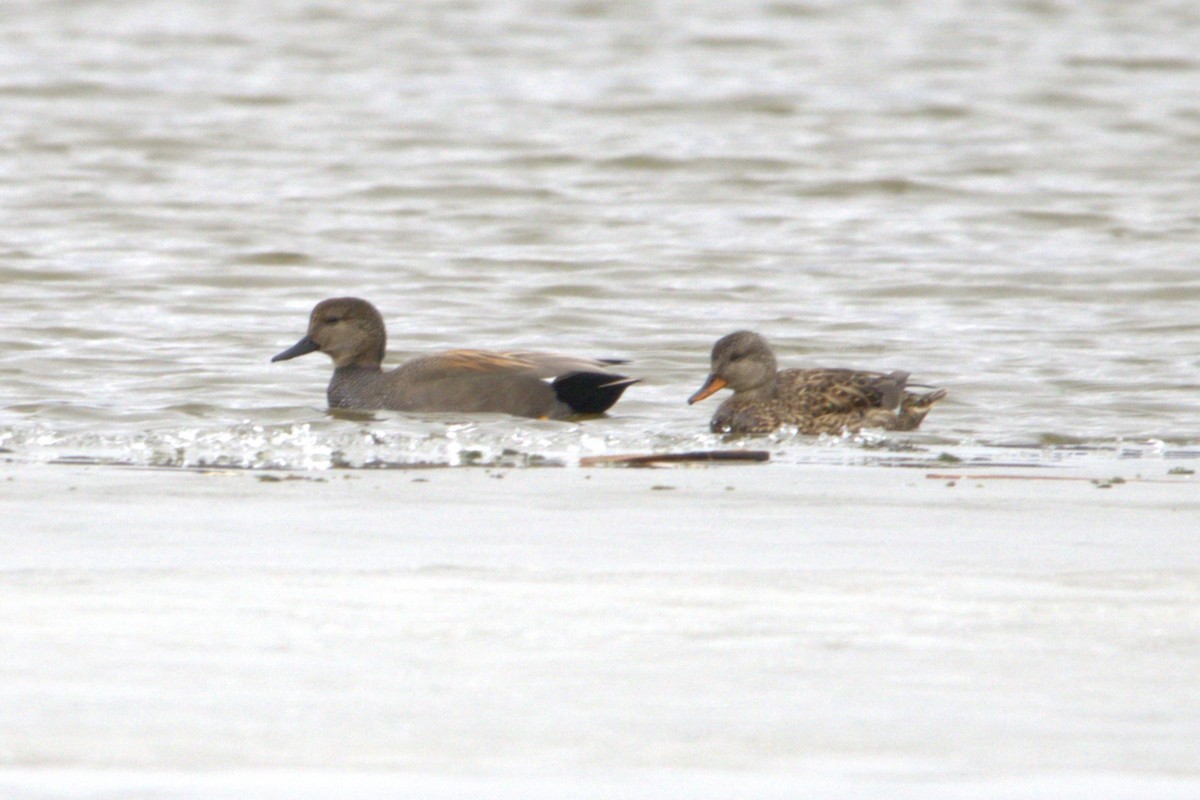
x=516, y=362
x=840, y=391
x=551, y=365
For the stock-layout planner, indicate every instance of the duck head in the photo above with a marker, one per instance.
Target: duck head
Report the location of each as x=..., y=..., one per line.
x=347, y=329
x=742, y=361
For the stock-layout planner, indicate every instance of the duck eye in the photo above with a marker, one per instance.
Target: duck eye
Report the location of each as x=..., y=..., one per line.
x=332, y=320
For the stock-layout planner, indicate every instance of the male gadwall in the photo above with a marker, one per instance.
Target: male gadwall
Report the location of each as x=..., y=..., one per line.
x=813, y=400
x=527, y=384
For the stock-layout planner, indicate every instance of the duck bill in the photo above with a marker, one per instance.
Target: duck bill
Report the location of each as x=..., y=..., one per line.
x=305, y=345
x=711, y=386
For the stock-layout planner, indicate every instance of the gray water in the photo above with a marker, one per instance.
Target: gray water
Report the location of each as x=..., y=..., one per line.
x=999, y=197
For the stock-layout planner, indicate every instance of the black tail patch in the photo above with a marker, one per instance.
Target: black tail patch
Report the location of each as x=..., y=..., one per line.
x=591, y=392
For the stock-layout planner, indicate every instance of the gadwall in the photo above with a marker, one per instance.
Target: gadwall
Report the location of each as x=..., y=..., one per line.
x=813, y=400
x=526, y=384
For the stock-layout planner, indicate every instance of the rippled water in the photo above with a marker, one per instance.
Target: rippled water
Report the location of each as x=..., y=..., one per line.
x=999, y=197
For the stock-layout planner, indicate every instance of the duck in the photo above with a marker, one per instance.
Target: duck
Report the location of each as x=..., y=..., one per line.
x=532, y=384
x=814, y=401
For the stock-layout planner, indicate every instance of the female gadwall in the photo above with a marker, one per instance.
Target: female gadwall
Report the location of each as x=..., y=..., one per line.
x=814, y=400
x=542, y=385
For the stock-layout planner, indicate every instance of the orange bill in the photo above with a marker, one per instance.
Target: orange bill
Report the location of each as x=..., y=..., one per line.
x=711, y=386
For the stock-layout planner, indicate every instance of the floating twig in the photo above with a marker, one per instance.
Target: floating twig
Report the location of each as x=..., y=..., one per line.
x=695, y=457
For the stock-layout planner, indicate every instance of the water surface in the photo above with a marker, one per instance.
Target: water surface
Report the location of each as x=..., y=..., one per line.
x=998, y=197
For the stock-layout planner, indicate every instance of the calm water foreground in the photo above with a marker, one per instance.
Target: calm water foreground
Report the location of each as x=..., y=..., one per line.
x=843, y=631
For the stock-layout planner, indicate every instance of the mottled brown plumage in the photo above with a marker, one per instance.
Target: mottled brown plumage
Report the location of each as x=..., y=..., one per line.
x=813, y=400
x=523, y=383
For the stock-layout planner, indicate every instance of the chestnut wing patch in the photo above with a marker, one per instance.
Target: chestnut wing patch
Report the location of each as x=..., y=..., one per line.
x=478, y=361
x=526, y=362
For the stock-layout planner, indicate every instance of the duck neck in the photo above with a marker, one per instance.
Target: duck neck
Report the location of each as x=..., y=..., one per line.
x=351, y=383
x=762, y=391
